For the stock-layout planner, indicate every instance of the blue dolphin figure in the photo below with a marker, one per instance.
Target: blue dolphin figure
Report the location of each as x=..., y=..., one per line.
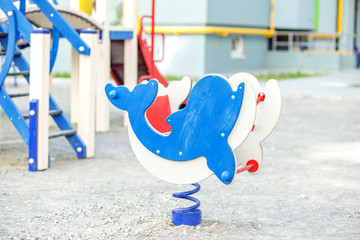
x=200, y=129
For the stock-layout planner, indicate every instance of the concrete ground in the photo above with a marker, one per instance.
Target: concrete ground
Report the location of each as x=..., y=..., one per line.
x=309, y=186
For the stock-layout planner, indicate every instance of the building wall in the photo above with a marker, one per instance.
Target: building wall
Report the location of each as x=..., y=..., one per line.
x=294, y=14
x=327, y=16
x=184, y=55
x=175, y=12
x=243, y=13
x=218, y=58
x=300, y=60
x=346, y=42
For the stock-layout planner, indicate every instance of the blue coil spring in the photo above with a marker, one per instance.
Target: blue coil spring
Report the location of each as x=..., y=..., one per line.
x=190, y=216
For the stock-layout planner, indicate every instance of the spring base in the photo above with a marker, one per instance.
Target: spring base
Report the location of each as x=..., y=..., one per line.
x=190, y=216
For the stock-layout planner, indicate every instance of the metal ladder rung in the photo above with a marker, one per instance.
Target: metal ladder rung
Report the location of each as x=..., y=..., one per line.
x=14, y=95
x=2, y=53
x=3, y=34
x=62, y=133
x=25, y=73
x=51, y=113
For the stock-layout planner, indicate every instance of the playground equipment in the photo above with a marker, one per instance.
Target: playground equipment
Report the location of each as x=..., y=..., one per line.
x=146, y=62
x=219, y=130
x=90, y=72
x=37, y=74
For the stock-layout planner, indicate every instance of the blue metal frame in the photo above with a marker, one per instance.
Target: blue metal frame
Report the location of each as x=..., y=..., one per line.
x=121, y=35
x=10, y=49
x=14, y=115
x=63, y=26
x=17, y=22
x=33, y=134
x=54, y=47
x=22, y=24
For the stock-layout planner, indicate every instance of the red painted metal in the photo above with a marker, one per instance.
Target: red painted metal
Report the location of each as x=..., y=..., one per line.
x=251, y=166
x=148, y=51
x=260, y=97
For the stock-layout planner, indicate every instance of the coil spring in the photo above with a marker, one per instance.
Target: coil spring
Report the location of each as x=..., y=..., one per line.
x=190, y=216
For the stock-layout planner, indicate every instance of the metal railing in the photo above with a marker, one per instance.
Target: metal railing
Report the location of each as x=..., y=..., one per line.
x=313, y=42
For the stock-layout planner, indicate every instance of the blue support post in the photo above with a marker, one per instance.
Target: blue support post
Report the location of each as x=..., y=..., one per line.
x=54, y=47
x=33, y=134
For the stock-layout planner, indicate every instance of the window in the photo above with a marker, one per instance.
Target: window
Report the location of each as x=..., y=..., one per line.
x=237, y=50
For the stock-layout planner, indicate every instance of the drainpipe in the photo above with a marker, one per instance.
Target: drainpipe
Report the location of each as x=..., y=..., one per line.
x=340, y=13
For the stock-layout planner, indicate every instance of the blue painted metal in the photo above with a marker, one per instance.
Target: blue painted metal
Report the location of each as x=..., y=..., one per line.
x=89, y=31
x=33, y=134
x=13, y=112
x=10, y=49
x=14, y=115
x=22, y=24
x=190, y=216
x=200, y=129
x=121, y=35
x=54, y=47
x=40, y=31
x=22, y=6
x=63, y=26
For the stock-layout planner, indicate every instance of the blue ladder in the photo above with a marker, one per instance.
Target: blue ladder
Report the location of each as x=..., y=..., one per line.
x=8, y=36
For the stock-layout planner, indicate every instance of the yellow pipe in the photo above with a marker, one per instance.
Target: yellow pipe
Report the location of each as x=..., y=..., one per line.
x=340, y=16
x=272, y=16
x=341, y=52
x=221, y=31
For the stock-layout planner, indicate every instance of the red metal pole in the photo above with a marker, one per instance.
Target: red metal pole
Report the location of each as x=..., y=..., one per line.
x=152, y=28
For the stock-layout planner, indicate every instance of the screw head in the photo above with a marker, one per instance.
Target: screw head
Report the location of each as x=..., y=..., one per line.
x=113, y=94
x=31, y=161
x=32, y=112
x=81, y=49
x=79, y=149
x=9, y=13
x=226, y=176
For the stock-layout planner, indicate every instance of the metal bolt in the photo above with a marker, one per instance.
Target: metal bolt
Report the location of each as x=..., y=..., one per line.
x=10, y=13
x=31, y=160
x=32, y=112
x=157, y=151
x=113, y=94
x=232, y=96
x=180, y=153
x=223, y=134
x=81, y=49
x=79, y=149
x=51, y=15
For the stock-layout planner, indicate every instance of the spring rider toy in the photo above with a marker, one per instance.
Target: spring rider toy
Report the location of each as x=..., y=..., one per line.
x=218, y=132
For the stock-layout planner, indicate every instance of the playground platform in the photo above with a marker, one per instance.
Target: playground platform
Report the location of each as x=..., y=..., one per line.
x=308, y=187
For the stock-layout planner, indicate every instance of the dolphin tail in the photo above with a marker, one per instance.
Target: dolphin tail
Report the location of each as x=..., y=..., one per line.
x=221, y=161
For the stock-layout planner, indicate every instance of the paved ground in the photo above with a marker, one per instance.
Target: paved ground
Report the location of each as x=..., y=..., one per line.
x=309, y=186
